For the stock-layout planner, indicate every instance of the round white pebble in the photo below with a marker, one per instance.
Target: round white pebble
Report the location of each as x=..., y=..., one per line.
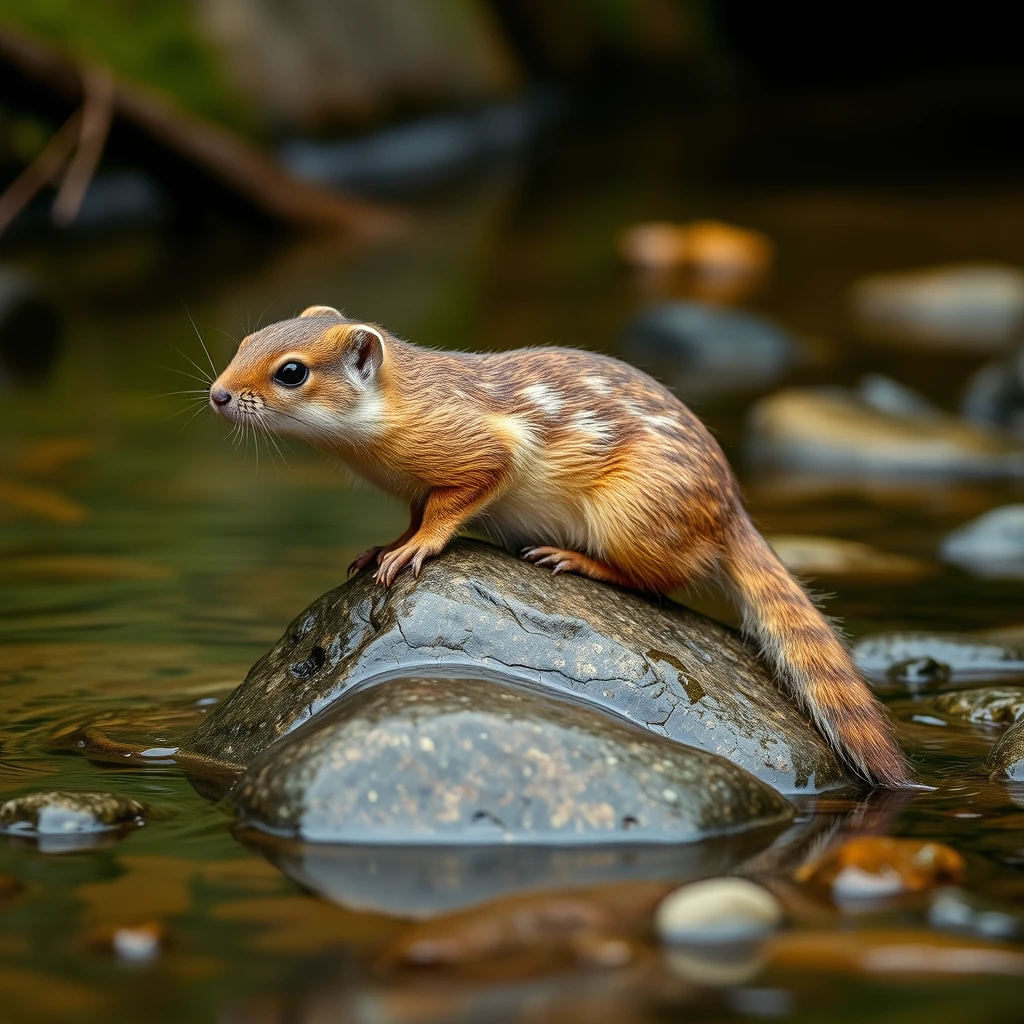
x=718, y=910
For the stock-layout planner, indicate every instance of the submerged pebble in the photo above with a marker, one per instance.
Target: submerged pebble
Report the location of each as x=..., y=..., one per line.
x=137, y=943
x=718, y=910
x=991, y=545
x=877, y=866
x=961, y=305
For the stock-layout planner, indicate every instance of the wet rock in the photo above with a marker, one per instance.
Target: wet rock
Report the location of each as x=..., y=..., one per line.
x=839, y=431
x=989, y=705
x=994, y=395
x=59, y=820
x=479, y=760
x=700, y=348
x=966, y=305
x=991, y=545
x=920, y=662
x=876, y=866
x=953, y=909
x=476, y=610
x=726, y=910
x=708, y=246
x=831, y=556
x=1006, y=759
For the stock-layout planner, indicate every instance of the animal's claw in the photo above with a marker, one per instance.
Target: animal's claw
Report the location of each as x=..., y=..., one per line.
x=361, y=561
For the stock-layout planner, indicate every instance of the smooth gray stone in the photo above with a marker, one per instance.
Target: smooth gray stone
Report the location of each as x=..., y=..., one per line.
x=60, y=821
x=60, y=812
x=462, y=760
x=476, y=608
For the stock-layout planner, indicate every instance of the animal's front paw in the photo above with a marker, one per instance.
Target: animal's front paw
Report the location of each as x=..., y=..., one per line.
x=393, y=562
x=555, y=559
x=360, y=562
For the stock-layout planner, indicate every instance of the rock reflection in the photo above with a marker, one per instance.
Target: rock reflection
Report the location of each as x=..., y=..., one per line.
x=424, y=881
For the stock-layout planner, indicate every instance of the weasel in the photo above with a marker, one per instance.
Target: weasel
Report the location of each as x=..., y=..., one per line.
x=583, y=462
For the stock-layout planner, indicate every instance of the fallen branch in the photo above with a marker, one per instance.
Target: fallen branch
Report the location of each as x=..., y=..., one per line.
x=97, y=115
x=179, y=148
x=43, y=171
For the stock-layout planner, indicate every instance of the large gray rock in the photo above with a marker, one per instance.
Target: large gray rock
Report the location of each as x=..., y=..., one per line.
x=669, y=670
x=476, y=760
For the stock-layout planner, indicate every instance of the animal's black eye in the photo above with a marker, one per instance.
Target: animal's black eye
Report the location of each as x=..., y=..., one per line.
x=291, y=374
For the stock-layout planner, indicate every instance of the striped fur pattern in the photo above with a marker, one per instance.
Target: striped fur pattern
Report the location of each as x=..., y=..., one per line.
x=586, y=461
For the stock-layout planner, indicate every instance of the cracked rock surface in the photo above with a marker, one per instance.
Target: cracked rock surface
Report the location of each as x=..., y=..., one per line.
x=477, y=611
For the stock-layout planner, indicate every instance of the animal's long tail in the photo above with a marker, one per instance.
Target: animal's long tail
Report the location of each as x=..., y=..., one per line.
x=805, y=651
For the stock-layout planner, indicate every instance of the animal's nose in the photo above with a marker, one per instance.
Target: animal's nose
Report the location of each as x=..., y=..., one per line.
x=220, y=396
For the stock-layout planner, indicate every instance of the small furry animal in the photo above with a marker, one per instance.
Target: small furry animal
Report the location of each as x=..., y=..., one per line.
x=591, y=464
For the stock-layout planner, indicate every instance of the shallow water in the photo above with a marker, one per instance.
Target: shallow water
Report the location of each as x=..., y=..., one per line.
x=146, y=563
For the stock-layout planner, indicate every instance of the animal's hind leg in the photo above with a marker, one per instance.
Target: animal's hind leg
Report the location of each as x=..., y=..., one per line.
x=558, y=560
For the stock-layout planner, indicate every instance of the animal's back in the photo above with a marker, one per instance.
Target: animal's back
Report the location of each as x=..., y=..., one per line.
x=613, y=463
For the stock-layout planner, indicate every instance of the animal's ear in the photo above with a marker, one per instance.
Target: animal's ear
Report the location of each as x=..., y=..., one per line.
x=364, y=352
x=321, y=311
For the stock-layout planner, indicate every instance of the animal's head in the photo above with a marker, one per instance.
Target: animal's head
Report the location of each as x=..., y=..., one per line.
x=315, y=377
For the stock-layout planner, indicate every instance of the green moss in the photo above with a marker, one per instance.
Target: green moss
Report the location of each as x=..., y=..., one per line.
x=154, y=42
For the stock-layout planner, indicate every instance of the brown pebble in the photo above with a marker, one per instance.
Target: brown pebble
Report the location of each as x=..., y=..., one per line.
x=708, y=247
x=874, y=866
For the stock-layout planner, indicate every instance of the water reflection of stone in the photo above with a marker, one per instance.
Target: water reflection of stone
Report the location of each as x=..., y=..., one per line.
x=423, y=881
